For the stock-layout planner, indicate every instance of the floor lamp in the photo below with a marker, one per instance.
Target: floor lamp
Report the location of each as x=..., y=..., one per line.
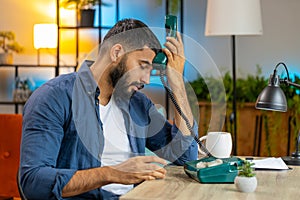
x=233, y=18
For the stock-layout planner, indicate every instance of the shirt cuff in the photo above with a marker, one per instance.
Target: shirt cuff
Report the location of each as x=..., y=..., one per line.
x=188, y=146
x=61, y=179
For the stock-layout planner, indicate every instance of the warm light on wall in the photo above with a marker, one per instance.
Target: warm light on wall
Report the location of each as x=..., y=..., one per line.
x=45, y=9
x=45, y=36
x=67, y=17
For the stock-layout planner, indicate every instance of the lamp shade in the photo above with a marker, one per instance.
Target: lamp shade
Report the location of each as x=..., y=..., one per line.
x=233, y=17
x=45, y=36
x=272, y=97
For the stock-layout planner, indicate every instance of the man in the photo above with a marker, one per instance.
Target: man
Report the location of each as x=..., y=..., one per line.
x=85, y=133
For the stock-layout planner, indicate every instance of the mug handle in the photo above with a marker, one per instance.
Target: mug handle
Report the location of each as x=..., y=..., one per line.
x=201, y=139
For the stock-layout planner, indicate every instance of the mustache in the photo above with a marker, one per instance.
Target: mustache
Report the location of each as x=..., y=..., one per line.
x=138, y=85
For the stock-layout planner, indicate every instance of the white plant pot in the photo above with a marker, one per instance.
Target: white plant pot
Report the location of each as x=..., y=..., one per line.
x=245, y=184
x=6, y=58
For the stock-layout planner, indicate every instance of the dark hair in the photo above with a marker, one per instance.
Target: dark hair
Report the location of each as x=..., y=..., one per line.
x=133, y=35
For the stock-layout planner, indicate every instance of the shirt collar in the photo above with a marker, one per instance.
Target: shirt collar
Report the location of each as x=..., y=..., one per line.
x=87, y=78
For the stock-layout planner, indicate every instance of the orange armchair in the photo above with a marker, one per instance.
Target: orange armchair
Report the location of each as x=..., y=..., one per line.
x=10, y=139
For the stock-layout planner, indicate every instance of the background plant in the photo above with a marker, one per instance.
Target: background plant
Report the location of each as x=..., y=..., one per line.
x=293, y=100
x=8, y=43
x=247, y=88
x=81, y=4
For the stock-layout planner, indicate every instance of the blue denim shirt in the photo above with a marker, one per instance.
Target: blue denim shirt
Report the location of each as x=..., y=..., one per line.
x=62, y=133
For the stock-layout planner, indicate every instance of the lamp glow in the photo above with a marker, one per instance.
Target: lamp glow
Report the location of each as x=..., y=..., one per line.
x=45, y=36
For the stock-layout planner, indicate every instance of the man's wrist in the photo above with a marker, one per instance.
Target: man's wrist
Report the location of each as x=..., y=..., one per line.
x=108, y=174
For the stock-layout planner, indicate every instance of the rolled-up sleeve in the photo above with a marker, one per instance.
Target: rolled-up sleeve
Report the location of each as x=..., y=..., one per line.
x=188, y=145
x=42, y=134
x=169, y=142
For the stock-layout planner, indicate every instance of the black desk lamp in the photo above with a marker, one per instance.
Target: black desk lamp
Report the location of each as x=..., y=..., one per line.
x=273, y=98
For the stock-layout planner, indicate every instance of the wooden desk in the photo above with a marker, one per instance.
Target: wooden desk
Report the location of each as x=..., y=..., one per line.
x=177, y=185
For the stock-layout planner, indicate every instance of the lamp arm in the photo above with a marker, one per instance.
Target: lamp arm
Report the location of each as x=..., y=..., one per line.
x=288, y=82
x=286, y=69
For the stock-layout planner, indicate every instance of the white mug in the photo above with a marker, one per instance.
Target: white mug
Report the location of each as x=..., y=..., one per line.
x=219, y=144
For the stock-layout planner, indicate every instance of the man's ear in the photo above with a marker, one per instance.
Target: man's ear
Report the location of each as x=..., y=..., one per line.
x=116, y=51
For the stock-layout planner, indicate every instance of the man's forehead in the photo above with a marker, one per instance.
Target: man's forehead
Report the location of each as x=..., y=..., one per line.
x=143, y=51
x=146, y=53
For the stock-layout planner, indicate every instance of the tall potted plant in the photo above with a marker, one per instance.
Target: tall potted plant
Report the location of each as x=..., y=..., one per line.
x=8, y=45
x=85, y=10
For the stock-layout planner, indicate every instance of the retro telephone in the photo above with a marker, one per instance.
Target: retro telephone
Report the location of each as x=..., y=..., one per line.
x=160, y=63
x=222, y=173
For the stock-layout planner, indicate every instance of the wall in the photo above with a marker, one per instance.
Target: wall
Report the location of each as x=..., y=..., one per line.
x=279, y=41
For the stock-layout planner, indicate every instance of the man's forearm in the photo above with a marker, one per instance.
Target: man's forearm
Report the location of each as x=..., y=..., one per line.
x=131, y=171
x=86, y=180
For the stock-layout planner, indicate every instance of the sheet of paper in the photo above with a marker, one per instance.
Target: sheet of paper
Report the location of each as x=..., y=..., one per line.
x=269, y=163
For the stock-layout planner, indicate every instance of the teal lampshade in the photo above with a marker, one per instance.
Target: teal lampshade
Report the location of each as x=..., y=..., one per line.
x=272, y=97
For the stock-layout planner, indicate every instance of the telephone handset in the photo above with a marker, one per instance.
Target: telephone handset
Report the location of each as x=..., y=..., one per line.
x=160, y=63
x=160, y=60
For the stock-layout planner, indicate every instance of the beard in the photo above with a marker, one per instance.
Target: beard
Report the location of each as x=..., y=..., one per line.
x=118, y=71
x=119, y=78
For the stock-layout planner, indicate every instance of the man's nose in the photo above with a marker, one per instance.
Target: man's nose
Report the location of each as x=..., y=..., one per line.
x=146, y=77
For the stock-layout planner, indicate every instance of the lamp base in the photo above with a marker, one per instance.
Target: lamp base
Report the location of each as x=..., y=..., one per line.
x=290, y=160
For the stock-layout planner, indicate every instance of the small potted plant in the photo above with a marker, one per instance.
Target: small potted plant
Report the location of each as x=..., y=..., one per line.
x=8, y=45
x=246, y=180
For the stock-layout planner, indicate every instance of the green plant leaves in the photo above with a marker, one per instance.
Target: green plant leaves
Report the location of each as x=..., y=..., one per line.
x=247, y=88
x=8, y=43
x=246, y=169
